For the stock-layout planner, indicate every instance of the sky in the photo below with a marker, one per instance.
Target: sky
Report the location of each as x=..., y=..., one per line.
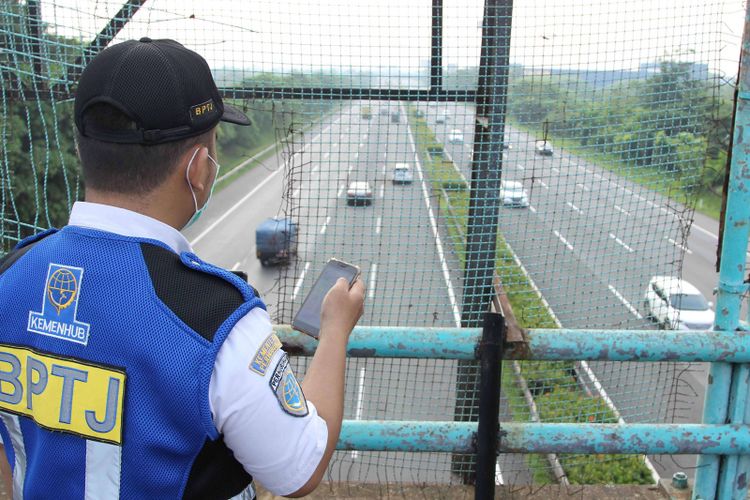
x=362, y=35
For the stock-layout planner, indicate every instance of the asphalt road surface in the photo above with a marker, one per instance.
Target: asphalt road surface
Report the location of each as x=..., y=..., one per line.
x=398, y=243
x=590, y=240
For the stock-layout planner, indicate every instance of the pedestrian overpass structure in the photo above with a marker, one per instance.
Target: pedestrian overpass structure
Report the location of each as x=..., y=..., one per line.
x=560, y=156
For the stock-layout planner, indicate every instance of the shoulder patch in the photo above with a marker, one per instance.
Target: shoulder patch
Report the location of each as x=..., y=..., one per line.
x=288, y=391
x=265, y=353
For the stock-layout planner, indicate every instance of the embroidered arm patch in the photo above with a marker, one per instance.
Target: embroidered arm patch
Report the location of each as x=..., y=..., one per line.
x=265, y=353
x=288, y=391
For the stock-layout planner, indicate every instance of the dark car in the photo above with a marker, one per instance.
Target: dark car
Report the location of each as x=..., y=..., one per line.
x=276, y=241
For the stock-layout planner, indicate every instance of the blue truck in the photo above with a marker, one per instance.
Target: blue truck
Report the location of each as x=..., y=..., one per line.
x=276, y=241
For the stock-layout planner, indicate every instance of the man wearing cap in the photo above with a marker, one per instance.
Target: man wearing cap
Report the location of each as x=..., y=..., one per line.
x=129, y=367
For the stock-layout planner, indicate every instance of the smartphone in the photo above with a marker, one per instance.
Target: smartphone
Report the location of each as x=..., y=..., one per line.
x=307, y=319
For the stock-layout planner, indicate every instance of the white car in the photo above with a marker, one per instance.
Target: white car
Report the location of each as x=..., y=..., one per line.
x=544, y=148
x=513, y=194
x=402, y=174
x=675, y=304
x=359, y=193
x=456, y=136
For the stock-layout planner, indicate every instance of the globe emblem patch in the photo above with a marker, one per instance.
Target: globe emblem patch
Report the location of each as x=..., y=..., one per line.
x=293, y=398
x=288, y=391
x=62, y=289
x=62, y=292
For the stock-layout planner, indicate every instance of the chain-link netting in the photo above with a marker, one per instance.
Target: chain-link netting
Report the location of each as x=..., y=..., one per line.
x=380, y=131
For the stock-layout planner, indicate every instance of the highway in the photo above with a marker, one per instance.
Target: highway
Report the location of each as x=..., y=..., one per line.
x=397, y=242
x=590, y=240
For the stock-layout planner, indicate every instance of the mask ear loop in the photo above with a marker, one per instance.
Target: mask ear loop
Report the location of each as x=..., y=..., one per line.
x=187, y=178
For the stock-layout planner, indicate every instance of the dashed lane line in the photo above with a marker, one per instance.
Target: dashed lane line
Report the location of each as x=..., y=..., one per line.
x=533, y=210
x=301, y=278
x=678, y=245
x=562, y=238
x=583, y=186
x=378, y=224
x=373, y=278
x=622, y=210
x=625, y=302
x=325, y=225
x=341, y=190
x=575, y=208
x=621, y=243
x=545, y=186
x=360, y=401
x=382, y=190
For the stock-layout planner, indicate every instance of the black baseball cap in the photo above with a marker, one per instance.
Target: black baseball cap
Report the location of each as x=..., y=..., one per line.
x=165, y=88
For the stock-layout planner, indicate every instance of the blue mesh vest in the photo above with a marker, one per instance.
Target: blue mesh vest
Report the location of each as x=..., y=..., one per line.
x=107, y=345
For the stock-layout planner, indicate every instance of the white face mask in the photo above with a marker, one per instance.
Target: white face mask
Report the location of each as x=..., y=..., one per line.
x=199, y=211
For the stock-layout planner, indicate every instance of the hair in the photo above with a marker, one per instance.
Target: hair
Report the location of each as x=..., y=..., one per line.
x=127, y=168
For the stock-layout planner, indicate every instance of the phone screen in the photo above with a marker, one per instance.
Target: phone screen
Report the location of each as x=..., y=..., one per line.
x=307, y=319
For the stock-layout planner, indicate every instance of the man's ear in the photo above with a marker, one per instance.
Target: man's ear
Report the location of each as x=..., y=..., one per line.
x=196, y=169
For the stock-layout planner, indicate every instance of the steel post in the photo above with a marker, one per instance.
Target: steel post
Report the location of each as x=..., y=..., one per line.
x=484, y=199
x=490, y=355
x=717, y=475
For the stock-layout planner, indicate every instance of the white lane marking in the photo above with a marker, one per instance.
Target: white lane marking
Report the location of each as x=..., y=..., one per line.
x=364, y=137
x=585, y=188
x=435, y=233
x=545, y=186
x=520, y=167
x=382, y=190
x=361, y=144
x=622, y=210
x=295, y=193
x=325, y=225
x=575, y=208
x=533, y=210
x=705, y=231
x=383, y=169
x=326, y=155
x=667, y=212
x=385, y=155
x=341, y=136
x=315, y=168
x=335, y=145
x=350, y=169
x=652, y=204
x=378, y=224
x=373, y=277
x=234, y=207
x=639, y=197
x=620, y=242
x=597, y=176
x=678, y=245
x=360, y=400
x=356, y=155
x=301, y=278
x=235, y=266
x=565, y=242
x=624, y=301
x=625, y=189
x=341, y=190
x=556, y=170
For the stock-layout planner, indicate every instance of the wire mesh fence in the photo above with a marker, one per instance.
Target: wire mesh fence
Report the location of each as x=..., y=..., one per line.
x=377, y=130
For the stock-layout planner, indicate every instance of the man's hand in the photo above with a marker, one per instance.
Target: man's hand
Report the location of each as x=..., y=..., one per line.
x=324, y=381
x=342, y=308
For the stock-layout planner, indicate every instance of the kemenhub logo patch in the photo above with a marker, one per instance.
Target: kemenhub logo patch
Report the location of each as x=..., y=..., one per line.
x=60, y=306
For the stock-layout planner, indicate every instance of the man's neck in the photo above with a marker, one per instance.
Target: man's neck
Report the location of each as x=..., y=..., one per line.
x=164, y=213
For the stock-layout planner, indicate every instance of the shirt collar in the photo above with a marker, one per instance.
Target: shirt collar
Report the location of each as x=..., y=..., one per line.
x=126, y=223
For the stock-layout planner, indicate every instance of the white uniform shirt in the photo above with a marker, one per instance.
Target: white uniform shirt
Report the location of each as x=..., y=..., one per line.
x=281, y=451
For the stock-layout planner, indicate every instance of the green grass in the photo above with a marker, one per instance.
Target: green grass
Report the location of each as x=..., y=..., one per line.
x=560, y=398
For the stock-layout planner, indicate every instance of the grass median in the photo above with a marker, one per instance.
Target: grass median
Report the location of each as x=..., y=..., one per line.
x=557, y=394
